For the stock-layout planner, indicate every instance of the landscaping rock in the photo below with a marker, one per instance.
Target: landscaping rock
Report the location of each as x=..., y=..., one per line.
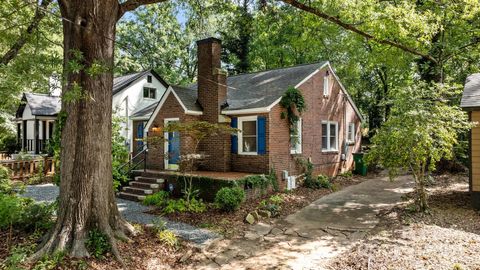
x=250, y=218
x=186, y=256
x=261, y=229
x=252, y=236
x=256, y=215
x=265, y=213
x=290, y=232
x=276, y=231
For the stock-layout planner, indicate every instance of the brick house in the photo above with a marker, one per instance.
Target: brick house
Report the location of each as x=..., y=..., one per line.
x=329, y=130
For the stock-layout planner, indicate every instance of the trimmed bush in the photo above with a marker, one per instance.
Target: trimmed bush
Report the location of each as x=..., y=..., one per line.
x=229, y=199
x=322, y=181
x=159, y=199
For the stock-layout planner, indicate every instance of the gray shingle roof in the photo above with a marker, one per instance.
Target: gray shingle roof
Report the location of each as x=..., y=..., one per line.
x=188, y=96
x=471, y=92
x=122, y=82
x=259, y=89
x=145, y=112
x=43, y=104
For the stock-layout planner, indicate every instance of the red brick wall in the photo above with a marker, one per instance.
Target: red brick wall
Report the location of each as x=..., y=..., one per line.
x=170, y=109
x=319, y=108
x=253, y=163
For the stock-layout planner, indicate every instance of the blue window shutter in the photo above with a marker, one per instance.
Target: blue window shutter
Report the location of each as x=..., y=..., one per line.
x=234, y=124
x=262, y=140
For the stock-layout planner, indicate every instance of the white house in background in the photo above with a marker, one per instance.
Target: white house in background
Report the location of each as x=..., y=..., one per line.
x=133, y=95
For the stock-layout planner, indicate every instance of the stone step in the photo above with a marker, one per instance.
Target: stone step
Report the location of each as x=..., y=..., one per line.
x=139, y=191
x=131, y=197
x=138, y=184
x=150, y=180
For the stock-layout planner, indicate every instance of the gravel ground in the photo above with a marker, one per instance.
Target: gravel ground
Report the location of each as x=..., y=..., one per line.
x=133, y=212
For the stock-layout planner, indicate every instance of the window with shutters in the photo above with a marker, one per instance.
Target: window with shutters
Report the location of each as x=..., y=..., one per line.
x=329, y=136
x=296, y=138
x=248, y=135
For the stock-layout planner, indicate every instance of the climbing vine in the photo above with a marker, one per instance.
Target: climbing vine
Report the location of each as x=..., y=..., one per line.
x=293, y=101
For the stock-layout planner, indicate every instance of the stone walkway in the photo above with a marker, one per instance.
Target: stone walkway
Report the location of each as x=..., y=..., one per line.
x=133, y=212
x=313, y=235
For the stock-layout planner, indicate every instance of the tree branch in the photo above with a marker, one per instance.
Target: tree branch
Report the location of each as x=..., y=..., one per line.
x=130, y=5
x=22, y=40
x=352, y=28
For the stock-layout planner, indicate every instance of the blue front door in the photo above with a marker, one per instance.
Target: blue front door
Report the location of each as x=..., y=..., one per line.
x=173, y=148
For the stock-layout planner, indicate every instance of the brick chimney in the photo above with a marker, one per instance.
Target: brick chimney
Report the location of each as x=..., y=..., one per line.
x=212, y=80
x=212, y=94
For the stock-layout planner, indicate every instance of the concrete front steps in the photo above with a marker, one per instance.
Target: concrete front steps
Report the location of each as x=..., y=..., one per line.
x=141, y=187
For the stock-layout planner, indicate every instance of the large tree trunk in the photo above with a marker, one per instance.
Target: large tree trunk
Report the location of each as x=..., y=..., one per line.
x=86, y=193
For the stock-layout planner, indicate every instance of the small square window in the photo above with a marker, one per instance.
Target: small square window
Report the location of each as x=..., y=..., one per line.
x=149, y=92
x=149, y=78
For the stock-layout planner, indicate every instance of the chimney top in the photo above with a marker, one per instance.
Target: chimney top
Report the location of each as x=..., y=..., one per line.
x=209, y=40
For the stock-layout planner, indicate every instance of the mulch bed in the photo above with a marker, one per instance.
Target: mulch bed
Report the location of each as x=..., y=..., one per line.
x=447, y=237
x=145, y=251
x=231, y=224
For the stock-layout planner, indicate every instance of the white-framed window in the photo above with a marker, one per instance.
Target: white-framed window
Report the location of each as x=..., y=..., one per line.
x=296, y=138
x=326, y=85
x=329, y=136
x=247, y=138
x=149, y=92
x=149, y=78
x=351, y=133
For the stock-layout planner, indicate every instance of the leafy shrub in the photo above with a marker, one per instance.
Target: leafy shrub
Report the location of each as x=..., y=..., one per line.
x=322, y=181
x=229, y=199
x=256, y=181
x=168, y=238
x=50, y=262
x=97, y=243
x=274, y=209
x=159, y=225
x=24, y=213
x=158, y=199
x=276, y=199
x=5, y=183
x=181, y=205
x=347, y=174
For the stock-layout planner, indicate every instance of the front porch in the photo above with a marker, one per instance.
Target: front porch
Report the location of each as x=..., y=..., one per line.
x=146, y=182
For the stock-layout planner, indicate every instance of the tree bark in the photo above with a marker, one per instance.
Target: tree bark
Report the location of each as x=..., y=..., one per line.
x=86, y=189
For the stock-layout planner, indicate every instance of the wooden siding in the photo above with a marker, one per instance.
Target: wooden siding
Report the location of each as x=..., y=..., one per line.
x=475, y=154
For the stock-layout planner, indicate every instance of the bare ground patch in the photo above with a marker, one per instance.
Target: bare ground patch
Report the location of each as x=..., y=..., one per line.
x=448, y=237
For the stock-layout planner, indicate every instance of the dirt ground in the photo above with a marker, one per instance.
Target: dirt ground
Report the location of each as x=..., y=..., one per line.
x=448, y=237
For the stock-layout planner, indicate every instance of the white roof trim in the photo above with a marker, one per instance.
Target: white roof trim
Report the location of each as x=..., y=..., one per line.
x=162, y=101
x=247, y=111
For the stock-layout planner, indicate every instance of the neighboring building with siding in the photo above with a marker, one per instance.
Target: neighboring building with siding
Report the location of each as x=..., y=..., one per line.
x=471, y=103
x=132, y=94
x=329, y=130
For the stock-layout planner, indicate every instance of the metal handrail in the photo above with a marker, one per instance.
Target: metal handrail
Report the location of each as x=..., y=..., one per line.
x=144, y=160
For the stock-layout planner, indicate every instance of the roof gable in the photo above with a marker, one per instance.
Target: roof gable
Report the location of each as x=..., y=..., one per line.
x=122, y=82
x=40, y=104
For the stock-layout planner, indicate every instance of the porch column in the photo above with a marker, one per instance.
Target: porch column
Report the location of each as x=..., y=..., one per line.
x=19, y=136
x=24, y=143
x=35, y=136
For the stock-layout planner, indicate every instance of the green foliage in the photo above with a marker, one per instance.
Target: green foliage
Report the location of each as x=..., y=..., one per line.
x=293, y=101
x=6, y=185
x=158, y=199
x=421, y=130
x=276, y=199
x=120, y=155
x=272, y=176
x=50, y=262
x=255, y=181
x=347, y=174
x=230, y=199
x=182, y=205
x=97, y=243
x=159, y=225
x=24, y=213
x=168, y=238
x=8, y=142
x=307, y=166
x=54, y=144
